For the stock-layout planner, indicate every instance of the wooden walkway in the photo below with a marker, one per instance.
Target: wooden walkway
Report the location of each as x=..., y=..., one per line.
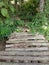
x=25, y=49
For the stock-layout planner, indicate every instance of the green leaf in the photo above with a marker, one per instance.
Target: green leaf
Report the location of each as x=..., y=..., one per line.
x=1, y=4
x=8, y=21
x=12, y=9
x=4, y=12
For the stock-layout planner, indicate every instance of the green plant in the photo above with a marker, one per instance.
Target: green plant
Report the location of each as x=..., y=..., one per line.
x=6, y=28
x=40, y=24
x=19, y=23
x=6, y=22
x=27, y=10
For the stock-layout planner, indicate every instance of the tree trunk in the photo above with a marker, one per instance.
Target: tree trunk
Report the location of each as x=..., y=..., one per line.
x=41, y=5
x=2, y=45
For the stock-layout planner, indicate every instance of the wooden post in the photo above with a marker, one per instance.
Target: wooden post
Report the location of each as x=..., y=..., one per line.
x=41, y=5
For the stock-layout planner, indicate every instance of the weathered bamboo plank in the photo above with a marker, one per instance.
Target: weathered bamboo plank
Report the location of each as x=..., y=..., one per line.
x=6, y=63
x=29, y=36
x=28, y=44
x=24, y=58
x=24, y=53
x=24, y=33
x=28, y=49
x=27, y=41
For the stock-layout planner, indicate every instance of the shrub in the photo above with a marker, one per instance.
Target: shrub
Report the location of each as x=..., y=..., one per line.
x=6, y=23
x=40, y=24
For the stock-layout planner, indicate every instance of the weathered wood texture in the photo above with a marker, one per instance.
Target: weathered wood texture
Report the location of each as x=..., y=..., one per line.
x=26, y=49
x=3, y=63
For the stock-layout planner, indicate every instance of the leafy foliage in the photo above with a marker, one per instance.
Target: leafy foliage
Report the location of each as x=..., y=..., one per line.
x=27, y=9
x=6, y=28
x=6, y=22
x=19, y=23
x=40, y=24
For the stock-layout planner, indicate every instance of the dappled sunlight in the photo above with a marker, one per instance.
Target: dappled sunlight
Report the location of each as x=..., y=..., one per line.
x=26, y=0
x=44, y=27
x=12, y=1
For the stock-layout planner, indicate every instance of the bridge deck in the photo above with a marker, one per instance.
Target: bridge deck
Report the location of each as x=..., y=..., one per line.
x=25, y=49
